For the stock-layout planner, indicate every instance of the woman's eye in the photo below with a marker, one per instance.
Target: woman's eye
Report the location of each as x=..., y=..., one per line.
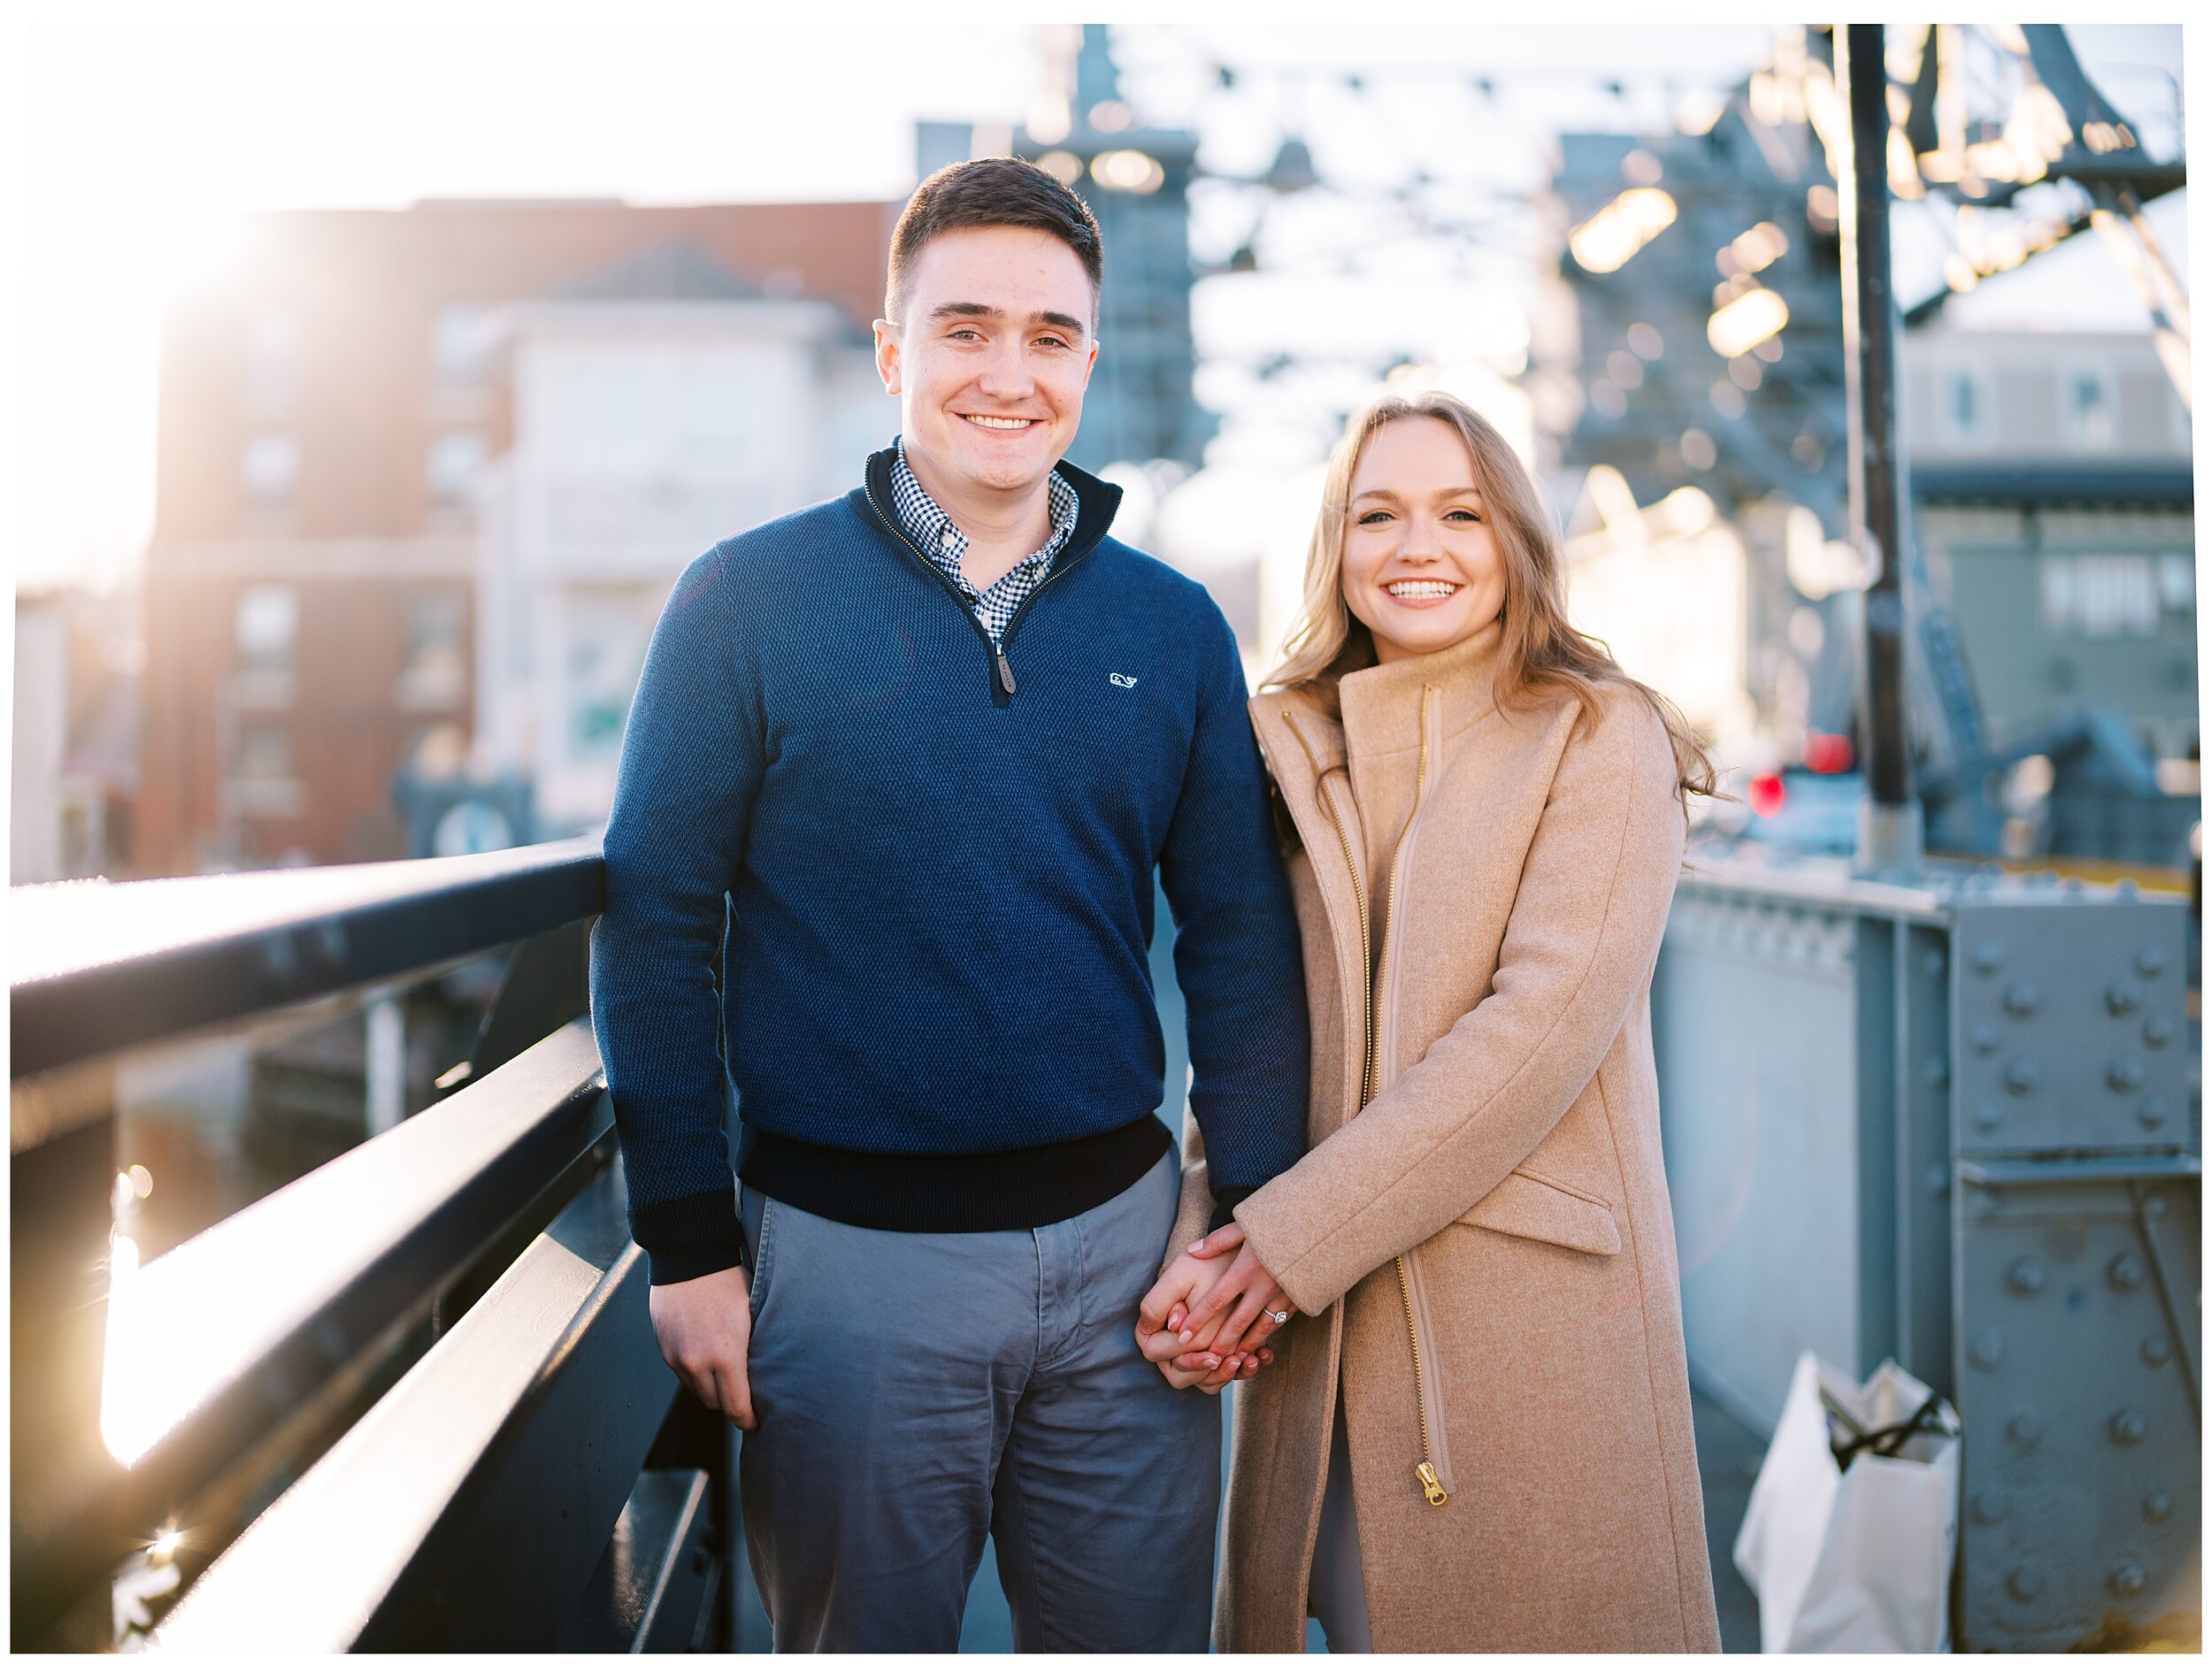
x=1468, y=515
x=1374, y=516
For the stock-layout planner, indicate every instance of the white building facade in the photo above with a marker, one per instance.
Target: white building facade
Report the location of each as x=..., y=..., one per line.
x=646, y=431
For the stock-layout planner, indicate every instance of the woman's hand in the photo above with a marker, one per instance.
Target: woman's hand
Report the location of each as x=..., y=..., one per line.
x=1241, y=1307
x=1186, y=1353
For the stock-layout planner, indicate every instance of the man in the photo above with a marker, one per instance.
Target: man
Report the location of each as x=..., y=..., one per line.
x=898, y=772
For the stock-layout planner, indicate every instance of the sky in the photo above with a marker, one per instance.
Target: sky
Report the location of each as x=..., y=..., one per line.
x=137, y=134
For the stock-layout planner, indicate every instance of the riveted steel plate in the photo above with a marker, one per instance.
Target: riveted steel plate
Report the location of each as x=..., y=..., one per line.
x=2078, y=1336
x=2067, y=1025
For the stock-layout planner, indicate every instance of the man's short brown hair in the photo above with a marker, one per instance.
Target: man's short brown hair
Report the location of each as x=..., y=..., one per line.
x=992, y=190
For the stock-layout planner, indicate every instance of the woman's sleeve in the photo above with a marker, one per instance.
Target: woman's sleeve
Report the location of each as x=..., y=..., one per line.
x=1578, y=946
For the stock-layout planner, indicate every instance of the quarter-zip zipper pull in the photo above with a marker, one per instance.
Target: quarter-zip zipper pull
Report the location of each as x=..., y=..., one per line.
x=1431, y=1487
x=1005, y=670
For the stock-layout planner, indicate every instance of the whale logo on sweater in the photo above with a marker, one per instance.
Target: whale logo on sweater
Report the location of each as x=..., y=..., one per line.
x=1119, y=680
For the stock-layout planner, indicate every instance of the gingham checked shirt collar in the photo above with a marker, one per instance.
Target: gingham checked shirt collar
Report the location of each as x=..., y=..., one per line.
x=946, y=544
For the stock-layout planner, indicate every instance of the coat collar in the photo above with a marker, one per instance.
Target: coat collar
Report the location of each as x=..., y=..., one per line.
x=1380, y=704
x=1097, y=502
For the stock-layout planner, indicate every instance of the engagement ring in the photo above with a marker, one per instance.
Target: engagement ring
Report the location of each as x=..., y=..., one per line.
x=1280, y=1317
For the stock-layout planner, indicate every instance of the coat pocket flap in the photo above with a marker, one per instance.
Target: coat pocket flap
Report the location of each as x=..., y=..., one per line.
x=1526, y=1206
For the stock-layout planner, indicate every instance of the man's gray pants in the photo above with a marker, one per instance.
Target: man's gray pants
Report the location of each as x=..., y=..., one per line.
x=917, y=1390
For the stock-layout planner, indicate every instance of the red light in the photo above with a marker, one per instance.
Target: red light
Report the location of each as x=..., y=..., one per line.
x=1828, y=753
x=1766, y=795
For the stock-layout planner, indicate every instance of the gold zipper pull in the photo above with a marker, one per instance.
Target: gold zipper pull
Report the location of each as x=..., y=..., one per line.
x=1431, y=1487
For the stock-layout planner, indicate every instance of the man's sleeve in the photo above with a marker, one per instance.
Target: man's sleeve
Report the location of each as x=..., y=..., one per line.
x=1236, y=947
x=691, y=762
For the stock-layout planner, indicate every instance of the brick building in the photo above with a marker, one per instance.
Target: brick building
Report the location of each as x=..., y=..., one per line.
x=324, y=411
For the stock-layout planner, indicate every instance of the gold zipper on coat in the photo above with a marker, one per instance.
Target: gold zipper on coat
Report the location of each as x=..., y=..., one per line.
x=1424, y=1469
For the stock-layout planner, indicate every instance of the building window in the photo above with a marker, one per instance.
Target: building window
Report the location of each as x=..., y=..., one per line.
x=449, y=467
x=264, y=751
x=2100, y=595
x=268, y=629
x=461, y=345
x=607, y=632
x=436, y=673
x=272, y=362
x=1965, y=408
x=269, y=469
x=2088, y=417
x=2177, y=583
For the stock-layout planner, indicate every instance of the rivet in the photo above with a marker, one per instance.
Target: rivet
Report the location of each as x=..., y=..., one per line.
x=1991, y=1507
x=2124, y=1074
x=2128, y=1428
x=2151, y=1112
x=2124, y=890
x=1936, y=1180
x=2022, y=999
x=2025, y=1429
x=2025, y=1583
x=1988, y=955
x=1988, y=1349
x=2119, y=998
x=2020, y=1075
x=1937, y=1071
x=1988, y=1115
x=2157, y=1030
x=1987, y=1038
x=2158, y=1507
x=1933, y=962
x=2150, y=961
x=2125, y=1272
x=2026, y=1275
x=2156, y=1351
x=2126, y=1579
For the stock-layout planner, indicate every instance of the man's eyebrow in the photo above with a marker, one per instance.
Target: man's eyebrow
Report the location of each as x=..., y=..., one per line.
x=978, y=309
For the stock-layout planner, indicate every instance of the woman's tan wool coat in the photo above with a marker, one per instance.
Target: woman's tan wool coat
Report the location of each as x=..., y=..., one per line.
x=1508, y=873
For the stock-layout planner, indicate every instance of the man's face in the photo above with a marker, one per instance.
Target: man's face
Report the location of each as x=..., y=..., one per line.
x=990, y=356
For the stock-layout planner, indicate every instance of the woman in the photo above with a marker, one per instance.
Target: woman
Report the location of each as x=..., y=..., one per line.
x=1476, y=1434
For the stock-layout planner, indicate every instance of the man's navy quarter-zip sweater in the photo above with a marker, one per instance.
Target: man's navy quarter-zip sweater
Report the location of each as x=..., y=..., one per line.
x=902, y=879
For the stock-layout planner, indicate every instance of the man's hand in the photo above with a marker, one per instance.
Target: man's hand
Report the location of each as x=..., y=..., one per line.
x=1236, y=1308
x=704, y=1327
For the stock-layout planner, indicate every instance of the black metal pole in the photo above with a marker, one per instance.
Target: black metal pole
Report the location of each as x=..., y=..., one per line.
x=1876, y=474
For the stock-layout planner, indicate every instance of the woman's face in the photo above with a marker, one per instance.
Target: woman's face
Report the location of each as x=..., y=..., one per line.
x=1420, y=568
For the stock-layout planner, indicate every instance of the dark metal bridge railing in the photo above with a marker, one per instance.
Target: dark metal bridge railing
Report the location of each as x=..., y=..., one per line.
x=410, y=1402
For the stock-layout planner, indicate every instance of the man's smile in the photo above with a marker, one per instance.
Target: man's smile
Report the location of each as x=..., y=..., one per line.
x=1009, y=424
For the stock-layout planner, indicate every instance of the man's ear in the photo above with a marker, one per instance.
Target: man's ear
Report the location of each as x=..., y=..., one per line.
x=1091, y=363
x=888, y=362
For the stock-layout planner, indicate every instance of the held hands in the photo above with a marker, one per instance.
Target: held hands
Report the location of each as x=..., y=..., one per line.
x=1206, y=1322
x=704, y=1327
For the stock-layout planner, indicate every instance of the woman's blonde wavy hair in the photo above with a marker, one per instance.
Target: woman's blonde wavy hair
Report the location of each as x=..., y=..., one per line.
x=1541, y=652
